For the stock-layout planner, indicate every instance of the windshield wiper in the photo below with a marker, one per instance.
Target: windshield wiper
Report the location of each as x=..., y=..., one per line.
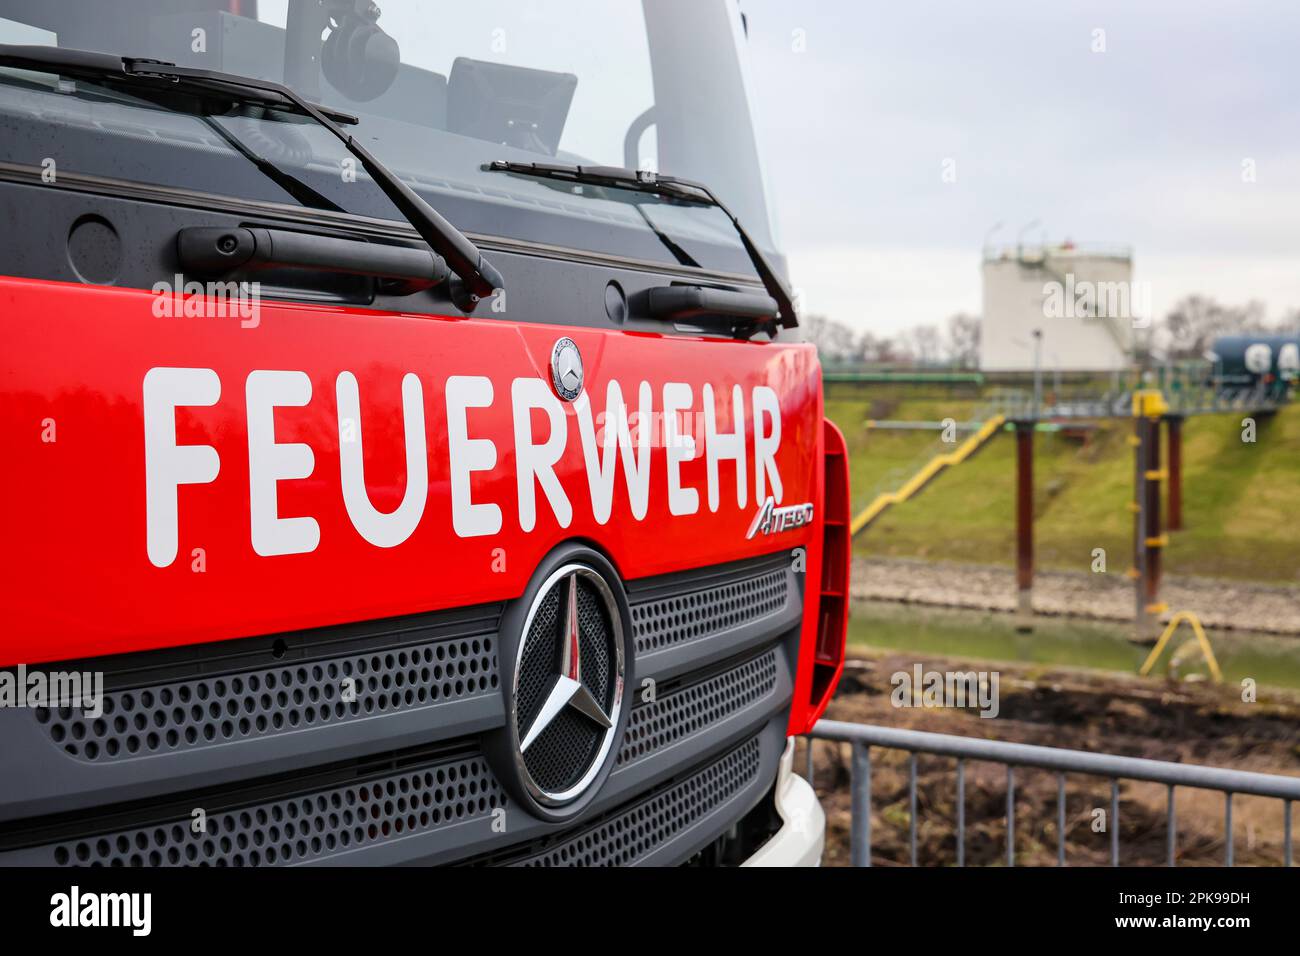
x=670, y=187
x=481, y=279
x=290, y=183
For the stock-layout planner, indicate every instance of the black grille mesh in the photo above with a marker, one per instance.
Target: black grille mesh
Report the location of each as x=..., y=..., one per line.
x=299, y=829
x=194, y=713
x=540, y=661
x=632, y=834
x=594, y=631
x=683, y=712
x=675, y=620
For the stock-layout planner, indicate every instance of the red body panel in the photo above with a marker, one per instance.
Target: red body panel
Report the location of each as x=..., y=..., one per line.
x=75, y=576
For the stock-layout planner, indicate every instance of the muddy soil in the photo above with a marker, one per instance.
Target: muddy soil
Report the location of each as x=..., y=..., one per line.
x=1076, y=709
x=1229, y=605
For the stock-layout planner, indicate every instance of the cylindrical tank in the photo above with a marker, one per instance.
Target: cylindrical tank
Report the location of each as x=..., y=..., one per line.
x=1245, y=359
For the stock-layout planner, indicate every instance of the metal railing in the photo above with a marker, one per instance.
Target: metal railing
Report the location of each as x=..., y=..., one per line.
x=863, y=737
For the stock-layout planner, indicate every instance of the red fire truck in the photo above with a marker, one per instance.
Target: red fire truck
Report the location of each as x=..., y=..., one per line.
x=411, y=455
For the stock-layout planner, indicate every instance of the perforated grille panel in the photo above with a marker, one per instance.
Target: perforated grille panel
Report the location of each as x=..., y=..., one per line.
x=691, y=709
x=664, y=622
x=302, y=828
x=194, y=713
x=632, y=834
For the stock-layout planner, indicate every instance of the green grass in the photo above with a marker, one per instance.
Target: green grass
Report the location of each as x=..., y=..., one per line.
x=1241, y=502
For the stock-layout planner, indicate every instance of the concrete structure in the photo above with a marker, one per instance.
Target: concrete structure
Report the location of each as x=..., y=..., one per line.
x=1083, y=299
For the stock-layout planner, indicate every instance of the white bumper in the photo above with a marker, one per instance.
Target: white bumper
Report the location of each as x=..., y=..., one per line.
x=800, y=840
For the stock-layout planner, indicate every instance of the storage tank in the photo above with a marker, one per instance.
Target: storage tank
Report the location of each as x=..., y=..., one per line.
x=1081, y=297
x=1245, y=359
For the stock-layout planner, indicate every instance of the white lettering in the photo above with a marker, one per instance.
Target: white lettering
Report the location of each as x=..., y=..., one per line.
x=270, y=463
x=468, y=455
x=166, y=464
x=380, y=529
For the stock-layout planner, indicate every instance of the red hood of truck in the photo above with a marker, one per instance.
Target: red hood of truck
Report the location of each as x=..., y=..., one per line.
x=114, y=412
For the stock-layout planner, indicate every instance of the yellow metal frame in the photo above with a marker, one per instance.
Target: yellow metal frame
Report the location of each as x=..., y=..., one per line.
x=1206, y=650
x=928, y=471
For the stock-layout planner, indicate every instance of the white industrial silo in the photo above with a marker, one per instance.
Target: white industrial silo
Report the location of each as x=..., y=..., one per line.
x=1082, y=298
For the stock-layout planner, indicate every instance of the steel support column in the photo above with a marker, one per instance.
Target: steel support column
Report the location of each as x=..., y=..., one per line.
x=1174, y=498
x=1025, y=519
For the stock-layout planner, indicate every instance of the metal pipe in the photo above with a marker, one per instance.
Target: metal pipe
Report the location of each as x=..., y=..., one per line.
x=1227, y=827
x=1151, y=515
x=1011, y=815
x=961, y=813
x=1056, y=758
x=1286, y=832
x=1060, y=819
x=1114, y=822
x=860, y=825
x=1025, y=516
x=1171, y=822
x=1174, y=499
x=911, y=803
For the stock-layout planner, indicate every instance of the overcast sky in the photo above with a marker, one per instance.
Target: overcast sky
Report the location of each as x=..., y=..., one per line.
x=860, y=104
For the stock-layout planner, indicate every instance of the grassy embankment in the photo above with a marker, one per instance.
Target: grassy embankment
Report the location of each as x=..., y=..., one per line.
x=1241, y=502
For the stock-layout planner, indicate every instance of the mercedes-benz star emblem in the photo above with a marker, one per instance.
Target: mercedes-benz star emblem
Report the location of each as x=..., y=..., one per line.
x=566, y=369
x=568, y=689
x=568, y=686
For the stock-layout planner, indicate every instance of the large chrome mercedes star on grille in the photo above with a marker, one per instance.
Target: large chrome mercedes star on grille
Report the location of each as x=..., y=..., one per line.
x=569, y=690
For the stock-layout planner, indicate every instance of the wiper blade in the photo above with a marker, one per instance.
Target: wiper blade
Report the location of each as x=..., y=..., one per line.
x=671, y=187
x=481, y=279
x=291, y=184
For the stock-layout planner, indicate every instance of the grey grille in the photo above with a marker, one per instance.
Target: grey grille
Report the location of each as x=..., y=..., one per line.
x=540, y=661
x=197, y=712
x=300, y=829
x=689, y=710
x=633, y=834
x=687, y=617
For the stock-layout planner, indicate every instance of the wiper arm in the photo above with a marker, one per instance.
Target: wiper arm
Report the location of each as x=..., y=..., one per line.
x=671, y=187
x=291, y=184
x=481, y=279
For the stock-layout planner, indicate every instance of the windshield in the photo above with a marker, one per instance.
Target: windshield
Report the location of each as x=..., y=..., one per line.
x=440, y=91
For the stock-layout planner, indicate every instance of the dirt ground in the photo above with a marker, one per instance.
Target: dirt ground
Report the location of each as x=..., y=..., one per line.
x=1077, y=709
x=1229, y=605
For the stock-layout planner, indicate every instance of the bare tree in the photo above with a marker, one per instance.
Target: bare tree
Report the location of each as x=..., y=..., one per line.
x=835, y=341
x=1196, y=321
x=963, y=345
x=924, y=342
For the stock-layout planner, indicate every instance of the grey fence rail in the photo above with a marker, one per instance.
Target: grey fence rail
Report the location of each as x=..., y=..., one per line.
x=863, y=737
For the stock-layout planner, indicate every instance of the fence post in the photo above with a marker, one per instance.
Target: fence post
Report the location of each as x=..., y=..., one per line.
x=1060, y=819
x=911, y=812
x=1011, y=815
x=1227, y=826
x=860, y=824
x=1172, y=824
x=961, y=813
x=1114, y=822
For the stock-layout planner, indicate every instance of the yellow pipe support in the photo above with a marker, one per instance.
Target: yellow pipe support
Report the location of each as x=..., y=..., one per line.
x=1206, y=650
x=1149, y=403
x=928, y=471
